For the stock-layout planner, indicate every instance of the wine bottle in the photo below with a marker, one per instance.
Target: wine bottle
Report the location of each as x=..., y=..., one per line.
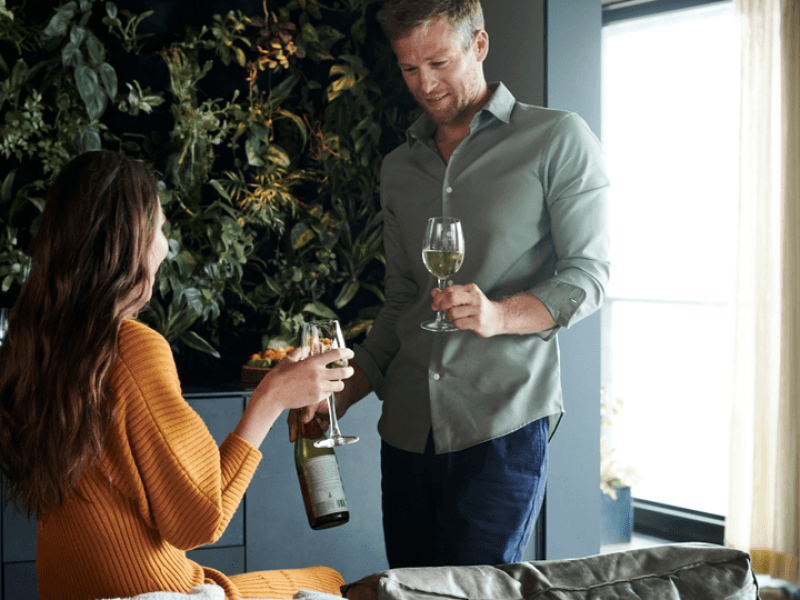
x=320, y=481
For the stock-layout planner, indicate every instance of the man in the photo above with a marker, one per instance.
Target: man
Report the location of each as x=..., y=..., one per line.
x=467, y=416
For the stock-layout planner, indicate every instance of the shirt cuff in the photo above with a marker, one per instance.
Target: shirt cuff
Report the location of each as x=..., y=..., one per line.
x=562, y=300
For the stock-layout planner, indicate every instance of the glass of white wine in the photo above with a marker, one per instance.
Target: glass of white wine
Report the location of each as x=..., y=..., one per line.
x=319, y=337
x=443, y=255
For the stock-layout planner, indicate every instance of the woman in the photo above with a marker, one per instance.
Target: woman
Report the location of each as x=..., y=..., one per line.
x=95, y=436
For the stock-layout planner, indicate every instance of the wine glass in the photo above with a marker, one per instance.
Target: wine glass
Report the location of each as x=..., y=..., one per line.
x=319, y=337
x=442, y=254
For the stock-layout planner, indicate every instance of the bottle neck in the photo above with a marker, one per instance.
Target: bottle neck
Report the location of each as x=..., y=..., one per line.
x=310, y=430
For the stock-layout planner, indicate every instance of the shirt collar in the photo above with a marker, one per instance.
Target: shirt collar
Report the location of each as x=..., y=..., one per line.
x=500, y=104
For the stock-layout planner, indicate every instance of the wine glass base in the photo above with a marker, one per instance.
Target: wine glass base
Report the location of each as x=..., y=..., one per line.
x=341, y=440
x=438, y=326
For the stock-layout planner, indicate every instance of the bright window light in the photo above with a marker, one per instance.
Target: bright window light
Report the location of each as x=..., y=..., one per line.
x=670, y=133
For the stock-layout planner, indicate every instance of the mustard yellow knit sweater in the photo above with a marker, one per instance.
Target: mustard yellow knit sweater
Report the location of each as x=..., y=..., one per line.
x=163, y=487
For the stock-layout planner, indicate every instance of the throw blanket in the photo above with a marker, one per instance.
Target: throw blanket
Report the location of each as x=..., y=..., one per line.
x=214, y=592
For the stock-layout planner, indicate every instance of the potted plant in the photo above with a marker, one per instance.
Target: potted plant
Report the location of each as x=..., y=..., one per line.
x=615, y=481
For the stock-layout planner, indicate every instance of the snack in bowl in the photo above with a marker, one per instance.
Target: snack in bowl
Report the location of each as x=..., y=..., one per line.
x=260, y=363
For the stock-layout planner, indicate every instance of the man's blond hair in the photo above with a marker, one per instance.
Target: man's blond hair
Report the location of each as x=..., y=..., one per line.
x=400, y=17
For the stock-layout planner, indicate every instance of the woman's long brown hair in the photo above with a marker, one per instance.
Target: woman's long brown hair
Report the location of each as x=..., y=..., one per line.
x=89, y=271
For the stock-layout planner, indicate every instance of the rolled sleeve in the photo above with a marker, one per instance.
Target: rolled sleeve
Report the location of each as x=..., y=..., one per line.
x=576, y=193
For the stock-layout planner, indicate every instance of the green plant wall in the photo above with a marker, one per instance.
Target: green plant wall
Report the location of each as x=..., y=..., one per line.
x=267, y=125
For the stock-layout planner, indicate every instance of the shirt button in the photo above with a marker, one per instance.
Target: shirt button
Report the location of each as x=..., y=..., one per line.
x=449, y=190
x=435, y=376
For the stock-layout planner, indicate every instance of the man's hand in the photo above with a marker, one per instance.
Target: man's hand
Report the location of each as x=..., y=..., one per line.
x=469, y=309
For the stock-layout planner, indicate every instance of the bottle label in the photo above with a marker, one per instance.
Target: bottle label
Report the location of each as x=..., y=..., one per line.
x=324, y=485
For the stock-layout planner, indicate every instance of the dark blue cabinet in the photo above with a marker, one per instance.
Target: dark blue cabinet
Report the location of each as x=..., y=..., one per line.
x=221, y=415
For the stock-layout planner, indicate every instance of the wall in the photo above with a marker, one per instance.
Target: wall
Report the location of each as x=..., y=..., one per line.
x=573, y=507
x=516, y=47
x=548, y=52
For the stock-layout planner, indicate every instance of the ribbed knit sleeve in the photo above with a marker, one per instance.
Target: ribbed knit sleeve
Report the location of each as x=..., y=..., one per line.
x=165, y=458
x=162, y=487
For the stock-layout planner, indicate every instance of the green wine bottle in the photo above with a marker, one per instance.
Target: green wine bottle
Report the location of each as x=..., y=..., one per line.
x=320, y=481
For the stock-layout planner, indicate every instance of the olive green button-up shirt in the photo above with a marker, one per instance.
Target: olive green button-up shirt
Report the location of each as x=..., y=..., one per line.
x=530, y=188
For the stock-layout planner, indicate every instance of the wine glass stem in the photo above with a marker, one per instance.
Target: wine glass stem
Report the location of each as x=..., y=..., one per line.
x=335, y=433
x=439, y=313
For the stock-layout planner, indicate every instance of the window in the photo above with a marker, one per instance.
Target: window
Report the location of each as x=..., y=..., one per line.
x=669, y=128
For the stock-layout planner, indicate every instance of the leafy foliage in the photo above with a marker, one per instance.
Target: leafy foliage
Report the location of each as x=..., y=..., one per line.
x=268, y=130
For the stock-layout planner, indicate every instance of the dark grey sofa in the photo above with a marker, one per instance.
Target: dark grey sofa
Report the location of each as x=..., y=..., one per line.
x=688, y=571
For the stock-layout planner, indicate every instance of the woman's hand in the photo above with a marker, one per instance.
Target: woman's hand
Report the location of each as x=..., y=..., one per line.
x=356, y=388
x=296, y=383
x=293, y=384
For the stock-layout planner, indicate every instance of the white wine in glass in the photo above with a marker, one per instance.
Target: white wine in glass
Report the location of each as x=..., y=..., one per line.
x=443, y=255
x=319, y=337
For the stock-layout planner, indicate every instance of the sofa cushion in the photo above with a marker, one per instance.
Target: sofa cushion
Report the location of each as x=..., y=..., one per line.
x=688, y=571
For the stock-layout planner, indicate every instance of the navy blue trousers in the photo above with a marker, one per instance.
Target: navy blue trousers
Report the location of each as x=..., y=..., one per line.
x=470, y=507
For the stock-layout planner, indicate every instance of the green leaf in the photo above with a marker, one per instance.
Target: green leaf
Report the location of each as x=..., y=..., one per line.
x=90, y=140
x=301, y=235
x=346, y=82
x=278, y=155
x=274, y=287
x=260, y=131
x=301, y=126
x=284, y=88
x=253, y=150
x=359, y=30
x=77, y=35
x=186, y=263
x=89, y=89
x=5, y=190
x=320, y=309
x=193, y=298
x=240, y=57
x=347, y=294
x=59, y=22
x=111, y=10
x=220, y=190
x=71, y=55
x=19, y=73
x=191, y=339
x=314, y=11
x=37, y=202
x=95, y=50
x=356, y=328
x=309, y=33
x=109, y=78
x=316, y=211
x=375, y=290
x=131, y=147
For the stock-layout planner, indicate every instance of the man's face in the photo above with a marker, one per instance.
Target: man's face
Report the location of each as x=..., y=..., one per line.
x=444, y=79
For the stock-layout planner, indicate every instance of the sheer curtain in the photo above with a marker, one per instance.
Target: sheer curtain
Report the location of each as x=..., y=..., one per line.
x=764, y=506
